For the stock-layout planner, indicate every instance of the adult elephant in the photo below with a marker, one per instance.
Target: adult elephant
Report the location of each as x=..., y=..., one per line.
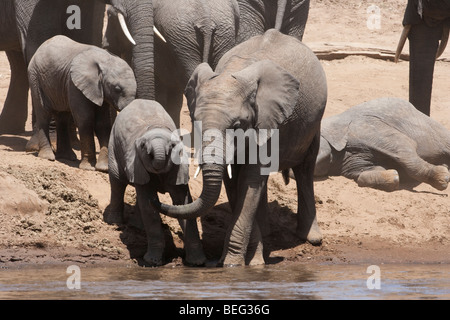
x=24, y=26
x=274, y=87
x=425, y=24
x=258, y=16
x=194, y=31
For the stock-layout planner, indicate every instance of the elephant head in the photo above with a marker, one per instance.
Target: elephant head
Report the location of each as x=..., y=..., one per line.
x=136, y=21
x=154, y=150
x=424, y=26
x=101, y=77
x=261, y=95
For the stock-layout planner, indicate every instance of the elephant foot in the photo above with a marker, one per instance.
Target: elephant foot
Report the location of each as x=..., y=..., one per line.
x=66, y=154
x=195, y=255
x=255, y=256
x=439, y=177
x=313, y=235
x=233, y=260
x=46, y=153
x=88, y=165
x=153, y=257
x=102, y=162
x=32, y=144
x=114, y=218
x=386, y=180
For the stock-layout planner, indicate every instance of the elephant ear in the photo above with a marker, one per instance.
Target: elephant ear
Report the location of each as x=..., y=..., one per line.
x=136, y=171
x=275, y=93
x=201, y=74
x=335, y=131
x=85, y=73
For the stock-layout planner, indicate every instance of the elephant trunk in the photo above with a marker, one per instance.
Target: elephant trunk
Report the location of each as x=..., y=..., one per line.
x=158, y=154
x=212, y=184
x=280, y=14
x=140, y=22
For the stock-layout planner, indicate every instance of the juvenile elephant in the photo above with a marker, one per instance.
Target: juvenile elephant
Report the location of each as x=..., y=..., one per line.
x=141, y=152
x=67, y=77
x=383, y=141
x=24, y=26
x=425, y=24
x=272, y=86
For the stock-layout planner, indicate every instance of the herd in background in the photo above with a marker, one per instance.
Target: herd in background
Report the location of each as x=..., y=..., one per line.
x=239, y=63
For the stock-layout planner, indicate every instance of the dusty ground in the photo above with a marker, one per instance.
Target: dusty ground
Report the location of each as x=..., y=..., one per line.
x=51, y=212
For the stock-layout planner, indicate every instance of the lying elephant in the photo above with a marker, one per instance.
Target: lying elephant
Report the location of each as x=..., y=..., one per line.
x=378, y=142
x=140, y=149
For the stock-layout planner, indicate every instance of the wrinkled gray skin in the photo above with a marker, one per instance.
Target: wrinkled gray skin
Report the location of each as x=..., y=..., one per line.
x=268, y=82
x=382, y=142
x=426, y=31
x=67, y=77
x=258, y=16
x=24, y=26
x=196, y=31
x=141, y=148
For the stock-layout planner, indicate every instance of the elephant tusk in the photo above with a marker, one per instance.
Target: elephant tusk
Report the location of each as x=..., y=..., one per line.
x=124, y=27
x=444, y=41
x=197, y=172
x=402, y=42
x=229, y=171
x=159, y=34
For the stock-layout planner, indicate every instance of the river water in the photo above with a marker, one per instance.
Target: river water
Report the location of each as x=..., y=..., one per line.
x=267, y=282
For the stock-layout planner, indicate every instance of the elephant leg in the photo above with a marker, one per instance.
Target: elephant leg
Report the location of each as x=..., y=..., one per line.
x=152, y=225
x=63, y=145
x=193, y=247
x=295, y=18
x=379, y=178
x=172, y=101
x=231, y=185
x=251, y=185
x=102, y=131
x=15, y=111
x=255, y=249
x=116, y=205
x=41, y=136
x=253, y=19
x=87, y=143
x=423, y=46
x=307, y=226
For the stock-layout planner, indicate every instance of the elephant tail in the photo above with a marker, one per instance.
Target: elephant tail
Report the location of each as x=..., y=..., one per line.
x=208, y=45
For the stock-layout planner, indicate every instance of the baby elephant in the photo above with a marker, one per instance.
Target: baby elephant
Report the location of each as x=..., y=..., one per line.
x=142, y=148
x=67, y=79
x=378, y=142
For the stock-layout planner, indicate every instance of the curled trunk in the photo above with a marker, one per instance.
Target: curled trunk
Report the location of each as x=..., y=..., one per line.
x=212, y=184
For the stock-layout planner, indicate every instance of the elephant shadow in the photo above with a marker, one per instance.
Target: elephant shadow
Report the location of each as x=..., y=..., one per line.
x=14, y=143
x=133, y=236
x=279, y=231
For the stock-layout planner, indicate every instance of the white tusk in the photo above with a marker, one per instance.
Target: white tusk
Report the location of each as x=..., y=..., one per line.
x=159, y=34
x=124, y=27
x=197, y=172
x=402, y=42
x=229, y=171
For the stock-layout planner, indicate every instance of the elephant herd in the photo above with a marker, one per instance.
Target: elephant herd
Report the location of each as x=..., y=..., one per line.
x=242, y=68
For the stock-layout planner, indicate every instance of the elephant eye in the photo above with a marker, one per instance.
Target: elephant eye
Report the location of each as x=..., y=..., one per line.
x=118, y=89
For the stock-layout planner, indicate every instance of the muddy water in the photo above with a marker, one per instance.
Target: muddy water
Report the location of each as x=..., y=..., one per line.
x=268, y=282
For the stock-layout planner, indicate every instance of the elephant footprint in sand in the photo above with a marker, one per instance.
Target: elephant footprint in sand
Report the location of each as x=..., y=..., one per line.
x=383, y=141
x=67, y=79
x=142, y=150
